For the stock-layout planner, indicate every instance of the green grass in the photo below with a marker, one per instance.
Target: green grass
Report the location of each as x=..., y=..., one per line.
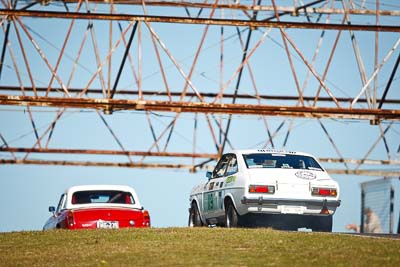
x=194, y=247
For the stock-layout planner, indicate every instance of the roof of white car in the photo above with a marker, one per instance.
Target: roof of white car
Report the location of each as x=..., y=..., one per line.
x=252, y=151
x=99, y=187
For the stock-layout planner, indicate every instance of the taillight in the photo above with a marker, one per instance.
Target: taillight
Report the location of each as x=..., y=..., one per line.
x=70, y=219
x=263, y=189
x=326, y=192
x=146, y=218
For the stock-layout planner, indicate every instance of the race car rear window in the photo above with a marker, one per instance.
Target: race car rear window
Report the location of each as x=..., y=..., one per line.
x=281, y=161
x=102, y=196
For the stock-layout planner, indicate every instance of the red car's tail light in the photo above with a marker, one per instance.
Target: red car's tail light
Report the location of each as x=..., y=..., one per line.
x=70, y=219
x=265, y=189
x=326, y=192
x=146, y=218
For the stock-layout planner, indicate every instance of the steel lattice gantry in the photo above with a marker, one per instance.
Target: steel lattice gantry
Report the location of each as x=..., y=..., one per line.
x=173, y=84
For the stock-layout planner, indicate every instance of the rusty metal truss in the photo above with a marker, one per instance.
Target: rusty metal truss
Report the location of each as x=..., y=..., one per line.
x=174, y=84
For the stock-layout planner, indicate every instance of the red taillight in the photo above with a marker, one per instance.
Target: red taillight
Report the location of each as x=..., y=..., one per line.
x=70, y=219
x=146, y=218
x=264, y=189
x=327, y=192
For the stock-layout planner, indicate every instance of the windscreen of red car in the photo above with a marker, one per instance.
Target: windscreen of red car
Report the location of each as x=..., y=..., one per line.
x=102, y=196
x=284, y=161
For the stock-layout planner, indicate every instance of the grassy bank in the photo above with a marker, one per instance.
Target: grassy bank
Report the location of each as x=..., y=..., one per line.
x=194, y=247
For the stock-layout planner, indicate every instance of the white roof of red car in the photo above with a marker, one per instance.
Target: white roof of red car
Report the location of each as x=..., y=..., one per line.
x=99, y=187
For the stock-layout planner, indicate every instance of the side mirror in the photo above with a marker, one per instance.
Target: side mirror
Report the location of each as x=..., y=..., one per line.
x=209, y=175
x=52, y=209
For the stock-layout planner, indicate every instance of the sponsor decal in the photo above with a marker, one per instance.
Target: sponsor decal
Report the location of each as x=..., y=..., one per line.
x=230, y=179
x=210, y=202
x=305, y=175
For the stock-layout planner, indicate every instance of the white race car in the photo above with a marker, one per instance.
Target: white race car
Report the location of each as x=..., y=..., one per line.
x=266, y=188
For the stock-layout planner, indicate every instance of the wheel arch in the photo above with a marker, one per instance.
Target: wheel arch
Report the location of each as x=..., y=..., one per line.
x=195, y=200
x=229, y=198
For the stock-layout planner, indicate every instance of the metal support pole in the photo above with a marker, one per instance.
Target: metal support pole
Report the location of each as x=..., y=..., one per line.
x=121, y=67
x=184, y=20
x=391, y=210
x=3, y=52
x=389, y=82
x=362, y=210
x=398, y=225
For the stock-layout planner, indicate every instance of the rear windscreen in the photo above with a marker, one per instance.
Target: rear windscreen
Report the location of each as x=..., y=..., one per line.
x=284, y=161
x=102, y=196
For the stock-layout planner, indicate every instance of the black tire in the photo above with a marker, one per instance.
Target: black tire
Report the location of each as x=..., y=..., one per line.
x=231, y=216
x=322, y=224
x=194, y=216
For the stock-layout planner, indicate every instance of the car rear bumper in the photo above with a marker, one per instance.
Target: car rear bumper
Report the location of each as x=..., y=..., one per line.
x=291, y=202
x=289, y=206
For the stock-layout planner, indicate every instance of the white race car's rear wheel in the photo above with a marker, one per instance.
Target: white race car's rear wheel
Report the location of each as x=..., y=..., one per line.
x=231, y=216
x=194, y=216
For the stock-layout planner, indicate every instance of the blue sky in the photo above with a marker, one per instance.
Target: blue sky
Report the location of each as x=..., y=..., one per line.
x=27, y=191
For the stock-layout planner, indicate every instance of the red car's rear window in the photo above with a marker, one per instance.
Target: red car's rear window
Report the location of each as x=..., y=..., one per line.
x=102, y=196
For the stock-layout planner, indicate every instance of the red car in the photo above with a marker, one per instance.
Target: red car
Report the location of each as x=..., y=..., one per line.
x=98, y=206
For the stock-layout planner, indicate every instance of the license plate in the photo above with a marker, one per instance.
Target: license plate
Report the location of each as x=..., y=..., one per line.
x=292, y=210
x=108, y=224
